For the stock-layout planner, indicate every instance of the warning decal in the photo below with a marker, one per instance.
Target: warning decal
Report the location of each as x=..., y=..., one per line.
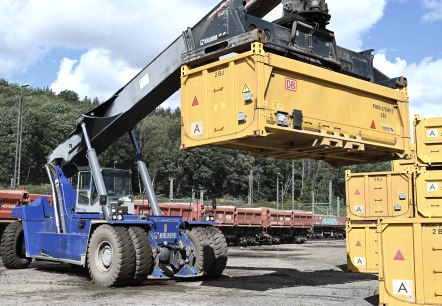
x=359, y=209
x=404, y=287
x=357, y=192
x=195, y=101
x=196, y=129
x=399, y=256
x=360, y=262
x=358, y=244
x=373, y=125
x=246, y=88
x=431, y=133
x=432, y=187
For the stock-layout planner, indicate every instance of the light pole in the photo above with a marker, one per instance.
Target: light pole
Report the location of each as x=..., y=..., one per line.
x=16, y=181
x=277, y=190
x=115, y=162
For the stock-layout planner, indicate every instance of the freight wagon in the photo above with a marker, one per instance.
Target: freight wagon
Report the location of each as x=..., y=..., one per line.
x=259, y=225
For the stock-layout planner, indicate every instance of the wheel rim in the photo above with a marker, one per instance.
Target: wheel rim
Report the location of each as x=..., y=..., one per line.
x=104, y=256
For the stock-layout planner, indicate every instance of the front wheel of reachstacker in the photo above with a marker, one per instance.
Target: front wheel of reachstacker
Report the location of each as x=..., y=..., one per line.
x=12, y=247
x=219, y=245
x=111, y=256
x=143, y=255
x=203, y=254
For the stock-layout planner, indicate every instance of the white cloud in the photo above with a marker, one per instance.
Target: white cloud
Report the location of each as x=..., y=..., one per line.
x=424, y=79
x=433, y=10
x=120, y=38
x=96, y=72
x=351, y=20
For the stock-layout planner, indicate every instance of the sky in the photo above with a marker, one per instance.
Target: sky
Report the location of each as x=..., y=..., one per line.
x=95, y=47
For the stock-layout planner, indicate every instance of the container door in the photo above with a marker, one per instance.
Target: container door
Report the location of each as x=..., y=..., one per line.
x=356, y=202
x=377, y=186
x=400, y=202
x=372, y=248
x=429, y=193
x=398, y=268
x=432, y=263
x=356, y=248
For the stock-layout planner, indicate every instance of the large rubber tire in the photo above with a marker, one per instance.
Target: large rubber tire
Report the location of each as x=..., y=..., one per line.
x=143, y=255
x=219, y=245
x=12, y=247
x=111, y=256
x=203, y=253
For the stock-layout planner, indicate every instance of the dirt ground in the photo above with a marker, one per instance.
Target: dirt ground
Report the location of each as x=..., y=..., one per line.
x=308, y=274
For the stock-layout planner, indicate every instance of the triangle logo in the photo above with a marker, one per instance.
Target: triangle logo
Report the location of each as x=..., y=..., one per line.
x=399, y=256
x=357, y=192
x=195, y=101
x=358, y=244
x=373, y=125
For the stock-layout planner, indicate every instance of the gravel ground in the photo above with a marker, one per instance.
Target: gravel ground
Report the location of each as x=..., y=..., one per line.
x=308, y=274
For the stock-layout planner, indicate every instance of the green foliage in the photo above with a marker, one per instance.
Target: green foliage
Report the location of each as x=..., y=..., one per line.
x=50, y=118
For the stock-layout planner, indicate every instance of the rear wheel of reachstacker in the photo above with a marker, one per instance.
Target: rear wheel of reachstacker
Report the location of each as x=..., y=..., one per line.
x=12, y=247
x=143, y=255
x=203, y=254
x=219, y=246
x=111, y=256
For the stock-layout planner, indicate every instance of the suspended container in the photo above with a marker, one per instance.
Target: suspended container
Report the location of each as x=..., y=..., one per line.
x=274, y=106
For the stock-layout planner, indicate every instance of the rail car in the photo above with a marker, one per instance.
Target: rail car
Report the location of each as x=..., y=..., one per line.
x=259, y=225
x=240, y=225
x=328, y=226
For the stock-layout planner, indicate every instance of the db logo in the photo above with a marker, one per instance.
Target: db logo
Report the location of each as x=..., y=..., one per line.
x=291, y=84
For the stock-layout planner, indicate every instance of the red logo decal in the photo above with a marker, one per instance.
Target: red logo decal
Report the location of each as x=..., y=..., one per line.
x=291, y=84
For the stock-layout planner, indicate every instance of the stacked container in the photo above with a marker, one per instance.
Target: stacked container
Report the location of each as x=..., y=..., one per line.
x=372, y=197
x=411, y=249
x=408, y=236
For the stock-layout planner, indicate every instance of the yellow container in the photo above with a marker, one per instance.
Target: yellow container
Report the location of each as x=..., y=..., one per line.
x=274, y=106
x=378, y=195
x=428, y=138
x=428, y=193
x=410, y=253
x=362, y=247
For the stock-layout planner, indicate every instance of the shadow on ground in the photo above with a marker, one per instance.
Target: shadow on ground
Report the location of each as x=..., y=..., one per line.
x=277, y=278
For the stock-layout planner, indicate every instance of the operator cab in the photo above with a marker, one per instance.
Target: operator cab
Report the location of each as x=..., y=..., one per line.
x=118, y=186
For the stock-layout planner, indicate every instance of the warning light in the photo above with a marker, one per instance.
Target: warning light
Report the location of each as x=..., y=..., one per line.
x=195, y=101
x=373, y=125
x=399, y=256
x=358, y=244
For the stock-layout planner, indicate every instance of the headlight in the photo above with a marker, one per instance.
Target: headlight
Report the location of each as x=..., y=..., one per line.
x=212, y=218
x=207, y=218
x=120, y=217
x=114, y=217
